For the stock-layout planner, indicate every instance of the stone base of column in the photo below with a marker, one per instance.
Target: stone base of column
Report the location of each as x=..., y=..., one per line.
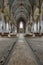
x=9, y=35
x=33, y=35
x=40, y=34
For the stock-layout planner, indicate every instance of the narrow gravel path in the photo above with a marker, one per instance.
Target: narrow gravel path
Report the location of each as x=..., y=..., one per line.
x=22, y=54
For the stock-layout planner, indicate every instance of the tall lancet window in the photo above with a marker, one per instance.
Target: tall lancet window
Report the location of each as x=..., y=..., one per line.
x=21, y=25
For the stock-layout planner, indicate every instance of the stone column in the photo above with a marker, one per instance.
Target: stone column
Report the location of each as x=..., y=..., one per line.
x=40, y=25
x=11, y=27
x=7, y=26
x=33, y=29
x=39, y=16
x=27, y=29
x=2, y=15
x=14, y=29
x=37, y=26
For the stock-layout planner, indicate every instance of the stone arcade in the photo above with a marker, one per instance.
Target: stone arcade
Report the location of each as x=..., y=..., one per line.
x=21, y=32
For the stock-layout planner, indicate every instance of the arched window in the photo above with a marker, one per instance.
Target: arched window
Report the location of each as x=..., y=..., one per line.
x=35, y=27
x=21, y=25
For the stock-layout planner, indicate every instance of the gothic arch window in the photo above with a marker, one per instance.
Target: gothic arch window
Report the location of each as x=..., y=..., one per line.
x=21, y=25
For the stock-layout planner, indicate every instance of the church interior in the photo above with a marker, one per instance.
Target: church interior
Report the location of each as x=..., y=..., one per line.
x=21, y=32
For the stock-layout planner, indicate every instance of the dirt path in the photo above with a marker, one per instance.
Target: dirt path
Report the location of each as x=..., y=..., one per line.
x=22, y=54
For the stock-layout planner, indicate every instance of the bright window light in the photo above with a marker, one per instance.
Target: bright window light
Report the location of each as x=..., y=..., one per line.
x=35, y=27
x=1, y=24
x=21, y=24
x=7, y=26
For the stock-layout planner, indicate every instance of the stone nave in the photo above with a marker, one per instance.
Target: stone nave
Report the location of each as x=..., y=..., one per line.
x=21, y=32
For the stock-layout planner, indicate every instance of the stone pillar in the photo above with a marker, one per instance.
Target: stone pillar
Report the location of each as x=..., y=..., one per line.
x=2, y=15
x=37, y=26
x=39, y=16
x=14, y=29
x=11, y=27
x=40, y=25
x=42, y=18
x=5, y=26
x=33, y=29
x=27, y=29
